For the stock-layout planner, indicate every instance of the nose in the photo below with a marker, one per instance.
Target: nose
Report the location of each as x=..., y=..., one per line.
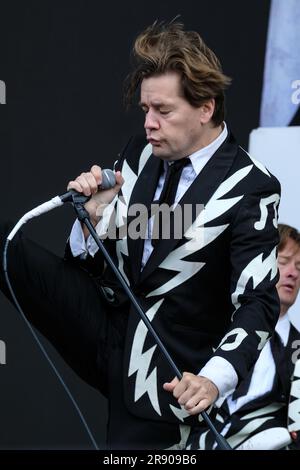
x=151, y=121
x=293, y=271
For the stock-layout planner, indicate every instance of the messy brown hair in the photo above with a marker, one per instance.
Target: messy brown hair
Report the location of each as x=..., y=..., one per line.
x=163, y=48
x=286, y=232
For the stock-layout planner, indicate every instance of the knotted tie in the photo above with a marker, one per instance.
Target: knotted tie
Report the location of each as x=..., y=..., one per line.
x=169, y=190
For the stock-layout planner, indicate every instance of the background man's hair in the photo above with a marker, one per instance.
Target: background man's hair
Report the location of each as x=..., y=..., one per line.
x=163, y=48
x=286, y=232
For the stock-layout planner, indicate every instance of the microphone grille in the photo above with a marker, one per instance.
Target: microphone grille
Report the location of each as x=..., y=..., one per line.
x=108, y=179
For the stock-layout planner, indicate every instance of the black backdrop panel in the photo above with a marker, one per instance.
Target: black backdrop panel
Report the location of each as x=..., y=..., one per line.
x=63, y=64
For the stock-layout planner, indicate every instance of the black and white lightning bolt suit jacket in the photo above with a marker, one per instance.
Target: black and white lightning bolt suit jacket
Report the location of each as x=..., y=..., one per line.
x=212, y=292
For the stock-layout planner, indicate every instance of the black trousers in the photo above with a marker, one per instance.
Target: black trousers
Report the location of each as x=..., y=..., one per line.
x=65, y=304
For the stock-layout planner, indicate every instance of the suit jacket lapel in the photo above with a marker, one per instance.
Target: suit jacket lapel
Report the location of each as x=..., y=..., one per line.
x=199, y=192
x=142, y=194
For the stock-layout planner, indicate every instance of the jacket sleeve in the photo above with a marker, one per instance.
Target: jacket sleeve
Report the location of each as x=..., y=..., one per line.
x=254, y=275
x=93, y=265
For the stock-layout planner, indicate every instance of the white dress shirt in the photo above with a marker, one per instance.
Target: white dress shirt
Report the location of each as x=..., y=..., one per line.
x=217, y=369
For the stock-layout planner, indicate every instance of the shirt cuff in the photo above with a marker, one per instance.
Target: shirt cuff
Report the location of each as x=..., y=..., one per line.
x=222, y=374
x=79, y=246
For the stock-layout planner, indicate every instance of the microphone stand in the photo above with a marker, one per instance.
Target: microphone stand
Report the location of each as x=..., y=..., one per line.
x=83, y=216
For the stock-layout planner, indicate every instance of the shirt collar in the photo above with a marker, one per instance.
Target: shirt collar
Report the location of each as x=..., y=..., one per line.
x=208, y=151
x=283, y=328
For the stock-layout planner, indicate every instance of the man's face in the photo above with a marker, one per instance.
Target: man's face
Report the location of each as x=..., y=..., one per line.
x=289, y=268
x=173, y=127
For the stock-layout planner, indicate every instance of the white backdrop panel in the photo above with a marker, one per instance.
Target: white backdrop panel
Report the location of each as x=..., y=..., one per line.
x=278, y=148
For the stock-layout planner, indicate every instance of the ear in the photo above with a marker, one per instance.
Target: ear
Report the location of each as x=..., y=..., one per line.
x=207, y=111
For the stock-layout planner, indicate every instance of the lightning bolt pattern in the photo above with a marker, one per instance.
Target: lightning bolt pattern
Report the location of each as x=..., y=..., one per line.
x=200, y=236
x=237, y=438
x=257, y=270
x=140, y=362
x=130, y=178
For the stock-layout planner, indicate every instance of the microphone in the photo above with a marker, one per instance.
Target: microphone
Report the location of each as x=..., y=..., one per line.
x=108, y=181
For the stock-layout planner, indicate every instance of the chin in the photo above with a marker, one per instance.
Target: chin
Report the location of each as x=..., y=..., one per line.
x=287, y=302
x=157, y=152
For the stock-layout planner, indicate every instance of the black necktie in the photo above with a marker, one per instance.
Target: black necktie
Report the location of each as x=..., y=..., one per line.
x=169, y=189
x=171, y=182
x=281, y=363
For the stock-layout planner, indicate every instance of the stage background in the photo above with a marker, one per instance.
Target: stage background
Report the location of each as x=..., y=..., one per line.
x=63, y=64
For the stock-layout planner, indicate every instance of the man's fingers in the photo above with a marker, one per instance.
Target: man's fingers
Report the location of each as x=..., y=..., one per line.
x=201, y=406
x=193, y=392
x=169, y=386
x=195, y=399
x=92, y=182
x=97, y=173
x=186, y=387
x=119, y=178
x=74, y=185
x=82, y=180
x=87, y=183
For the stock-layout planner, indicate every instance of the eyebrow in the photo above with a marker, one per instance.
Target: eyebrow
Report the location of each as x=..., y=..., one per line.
x=288, y=258
x=155, y=104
